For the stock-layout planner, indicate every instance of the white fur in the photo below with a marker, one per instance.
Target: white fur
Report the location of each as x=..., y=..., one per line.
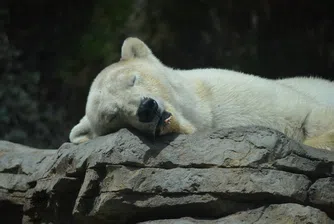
x=320, y=89
x=199, y=99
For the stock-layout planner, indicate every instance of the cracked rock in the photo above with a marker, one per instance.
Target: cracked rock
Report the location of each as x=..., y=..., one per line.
x=278, y=214
x=237, y=175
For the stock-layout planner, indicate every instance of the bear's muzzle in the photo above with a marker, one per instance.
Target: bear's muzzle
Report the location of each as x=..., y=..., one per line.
x=148, y=110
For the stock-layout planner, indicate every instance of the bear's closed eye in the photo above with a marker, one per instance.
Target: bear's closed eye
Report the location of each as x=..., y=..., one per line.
x=133, y=81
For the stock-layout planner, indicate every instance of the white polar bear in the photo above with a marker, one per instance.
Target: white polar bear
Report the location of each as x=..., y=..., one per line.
x=141, y=92
x=320, y=89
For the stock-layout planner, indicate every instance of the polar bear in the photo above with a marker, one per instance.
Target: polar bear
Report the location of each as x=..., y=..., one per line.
x=320, y=89
x=141, y=92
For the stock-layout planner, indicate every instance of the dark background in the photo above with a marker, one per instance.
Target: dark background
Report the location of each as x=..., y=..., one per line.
x=50, y=51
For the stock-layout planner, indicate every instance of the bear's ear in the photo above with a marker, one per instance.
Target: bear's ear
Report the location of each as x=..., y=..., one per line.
x=134, y=48
x=81, y=132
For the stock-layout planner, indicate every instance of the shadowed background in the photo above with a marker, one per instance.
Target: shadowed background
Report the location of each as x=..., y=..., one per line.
x=50, y=51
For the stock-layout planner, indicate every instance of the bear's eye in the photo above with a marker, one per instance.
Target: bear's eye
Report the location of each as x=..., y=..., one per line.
x=133, y=80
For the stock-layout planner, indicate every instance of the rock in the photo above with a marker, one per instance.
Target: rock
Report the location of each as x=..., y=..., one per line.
x=322, y=193
x=237, y=175
x=244, y=183
x=278, y=214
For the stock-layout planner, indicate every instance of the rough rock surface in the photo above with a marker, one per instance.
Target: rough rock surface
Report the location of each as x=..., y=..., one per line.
x=238, y=175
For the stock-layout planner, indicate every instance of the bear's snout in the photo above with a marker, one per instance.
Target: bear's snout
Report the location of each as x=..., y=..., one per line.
x=147, y=110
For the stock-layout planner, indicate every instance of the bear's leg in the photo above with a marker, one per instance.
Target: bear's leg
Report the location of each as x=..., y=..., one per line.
x=81, y=132
x=324, y=141
x=319, y=128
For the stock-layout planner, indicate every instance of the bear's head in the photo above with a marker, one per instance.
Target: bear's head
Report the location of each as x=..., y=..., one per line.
x=134, y=92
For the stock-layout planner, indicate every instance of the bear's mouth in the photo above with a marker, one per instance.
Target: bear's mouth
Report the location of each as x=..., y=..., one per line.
x=164, y=120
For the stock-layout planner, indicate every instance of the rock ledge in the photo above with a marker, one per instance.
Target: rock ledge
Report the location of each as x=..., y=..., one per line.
x=238, y=175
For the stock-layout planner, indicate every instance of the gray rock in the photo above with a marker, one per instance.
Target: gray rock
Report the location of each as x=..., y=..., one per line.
x=241, y=182
x=322, y=192
x=238, y=175
x=278, y=214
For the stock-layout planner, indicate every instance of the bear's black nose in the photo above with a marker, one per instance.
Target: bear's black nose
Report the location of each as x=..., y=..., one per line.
x=147, y=110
